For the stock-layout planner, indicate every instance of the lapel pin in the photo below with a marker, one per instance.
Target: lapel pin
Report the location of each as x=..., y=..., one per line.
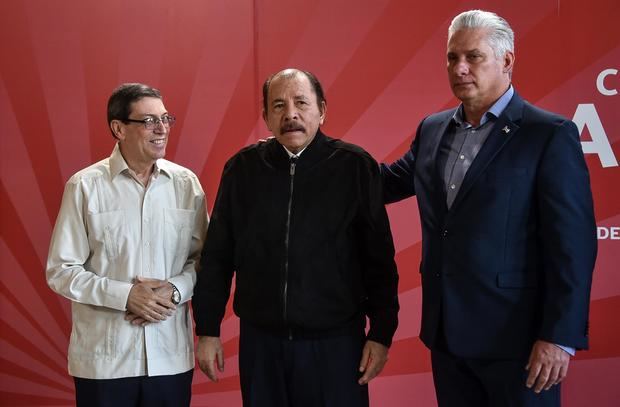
x=506, y=129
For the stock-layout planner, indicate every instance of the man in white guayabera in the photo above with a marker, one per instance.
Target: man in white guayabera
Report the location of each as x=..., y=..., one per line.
x=124, y=250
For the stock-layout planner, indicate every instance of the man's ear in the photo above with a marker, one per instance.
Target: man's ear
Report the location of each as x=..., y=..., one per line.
x=509, y=61
x=323, y=110
x=117, y=129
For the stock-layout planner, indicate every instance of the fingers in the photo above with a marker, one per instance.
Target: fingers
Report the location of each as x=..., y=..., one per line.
x=209, y=353
x=130, y=316
x=542, y=379
x=373, y=369
x=374, y=357
x=553, y=377
x=365, y=358
x=210, y=370
x=547, y=365
x=369, y=374
x=534, y=370
x=134, y=319
x=220, y=360
x=155, y=313
x=145, y=303
x=562, y=374
x=206, y=369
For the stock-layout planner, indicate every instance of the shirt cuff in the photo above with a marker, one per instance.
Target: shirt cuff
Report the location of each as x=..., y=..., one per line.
x=567, y=349
x=117, y=293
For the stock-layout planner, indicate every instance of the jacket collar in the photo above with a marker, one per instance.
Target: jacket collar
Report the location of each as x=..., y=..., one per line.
x=504, y=129
x=312, y=154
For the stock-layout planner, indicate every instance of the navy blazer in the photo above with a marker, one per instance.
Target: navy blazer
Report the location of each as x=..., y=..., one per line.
x=511, y=261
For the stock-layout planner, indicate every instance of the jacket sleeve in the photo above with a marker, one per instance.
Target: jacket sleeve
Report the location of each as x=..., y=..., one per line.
x=568, y=238
x=216, y=263
x=380, y=277
x=398, y=176
x=69, y=251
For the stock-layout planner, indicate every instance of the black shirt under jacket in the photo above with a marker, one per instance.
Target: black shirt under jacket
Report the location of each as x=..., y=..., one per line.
x=315, y=269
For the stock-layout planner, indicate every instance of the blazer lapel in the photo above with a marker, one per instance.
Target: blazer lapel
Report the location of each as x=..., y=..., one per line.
x=438, y=185
x=503, y=130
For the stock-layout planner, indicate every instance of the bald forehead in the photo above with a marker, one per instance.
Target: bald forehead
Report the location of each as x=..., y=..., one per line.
x=293, y=81
x=288, y=75
x=293, y=77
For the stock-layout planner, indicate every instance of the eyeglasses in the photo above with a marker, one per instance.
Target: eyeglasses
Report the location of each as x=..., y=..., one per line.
x=151, y=122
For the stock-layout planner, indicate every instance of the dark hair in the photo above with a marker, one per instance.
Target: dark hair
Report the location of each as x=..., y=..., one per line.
x=288, y=73
x=119, y=104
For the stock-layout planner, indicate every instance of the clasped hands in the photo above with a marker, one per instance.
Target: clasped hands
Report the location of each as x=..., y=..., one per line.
x=149, y=301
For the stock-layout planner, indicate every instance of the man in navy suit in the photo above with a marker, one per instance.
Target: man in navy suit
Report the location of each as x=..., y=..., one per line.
x=509, y=236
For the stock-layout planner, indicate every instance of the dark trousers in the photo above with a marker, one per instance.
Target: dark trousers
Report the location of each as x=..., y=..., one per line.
x=142, y=391
x=276, y=371
x=461, y=382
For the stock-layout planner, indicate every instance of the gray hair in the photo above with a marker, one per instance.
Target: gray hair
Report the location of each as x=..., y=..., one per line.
x=501, y=37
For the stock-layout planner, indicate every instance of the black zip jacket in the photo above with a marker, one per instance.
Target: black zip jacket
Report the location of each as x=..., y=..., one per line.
x=308, y=238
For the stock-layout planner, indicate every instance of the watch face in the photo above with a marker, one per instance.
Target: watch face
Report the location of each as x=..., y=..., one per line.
x=176, y=296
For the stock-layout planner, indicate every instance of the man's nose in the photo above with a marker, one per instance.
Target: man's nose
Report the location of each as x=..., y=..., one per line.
x=461, y=67
x=290, y=111
x=161, y=128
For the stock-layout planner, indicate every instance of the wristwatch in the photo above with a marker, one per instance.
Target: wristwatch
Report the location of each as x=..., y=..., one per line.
x=176, y=295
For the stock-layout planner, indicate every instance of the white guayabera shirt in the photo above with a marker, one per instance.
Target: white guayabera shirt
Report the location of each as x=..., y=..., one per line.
x=111, y=229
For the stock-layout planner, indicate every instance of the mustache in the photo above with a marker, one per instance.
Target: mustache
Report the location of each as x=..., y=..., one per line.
x=292, y=126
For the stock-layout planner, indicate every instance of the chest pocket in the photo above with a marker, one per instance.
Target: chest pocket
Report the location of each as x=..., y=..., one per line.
x=178, y=232
x=106, y=228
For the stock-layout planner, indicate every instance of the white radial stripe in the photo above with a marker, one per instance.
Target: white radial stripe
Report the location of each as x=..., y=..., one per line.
x=220, y=399
x=141, y=52
x=345, y=26
x=403, y=391
x=326, y=62
x=215, y=81
x=20, y=181
x=14, y=384
x=260, y=130
x=421, y=88
x=405, y=223
x=22, y=357
x=229, y=328
x=14, y=277
x=410, y=312
x=581, y=88
x=418, y=90
x=15, y=319
x=57, y=53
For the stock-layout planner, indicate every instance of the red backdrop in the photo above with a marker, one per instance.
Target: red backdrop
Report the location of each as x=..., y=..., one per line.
x=382, y=64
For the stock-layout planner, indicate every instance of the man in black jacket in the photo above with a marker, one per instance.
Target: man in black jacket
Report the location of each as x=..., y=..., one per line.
x=300, y=220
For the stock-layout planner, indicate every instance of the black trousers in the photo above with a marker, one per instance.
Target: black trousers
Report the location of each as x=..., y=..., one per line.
x=461, y=382
x=141, y=391
x=276, y=371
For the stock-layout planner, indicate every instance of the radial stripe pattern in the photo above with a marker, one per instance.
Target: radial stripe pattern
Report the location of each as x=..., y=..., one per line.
x=382, y=63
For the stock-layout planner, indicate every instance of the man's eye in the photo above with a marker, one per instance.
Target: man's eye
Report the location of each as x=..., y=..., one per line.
x=149, y=120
